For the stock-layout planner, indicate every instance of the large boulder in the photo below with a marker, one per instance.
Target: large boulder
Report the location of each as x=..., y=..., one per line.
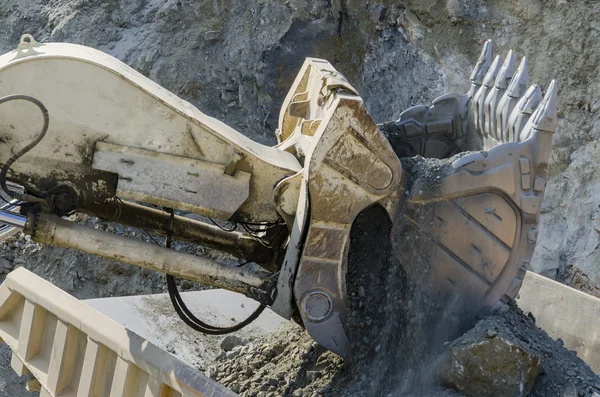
x=484, y=363
x=507, y=355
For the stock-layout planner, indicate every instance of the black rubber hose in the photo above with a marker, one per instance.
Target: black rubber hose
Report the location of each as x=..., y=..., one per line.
x=198, y=325
x=27, y=148
x=188, y=317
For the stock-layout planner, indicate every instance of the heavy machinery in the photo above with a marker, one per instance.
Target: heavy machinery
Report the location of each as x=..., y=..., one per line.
x=82, y=132
x=7, y=230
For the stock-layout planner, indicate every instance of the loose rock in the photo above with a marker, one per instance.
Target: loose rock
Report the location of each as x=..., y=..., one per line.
x=485, y=364
x=6, y=264
x=230, y=341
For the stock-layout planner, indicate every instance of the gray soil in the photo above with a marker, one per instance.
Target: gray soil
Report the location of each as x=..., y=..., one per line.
x=290, y=363
x=235, y=60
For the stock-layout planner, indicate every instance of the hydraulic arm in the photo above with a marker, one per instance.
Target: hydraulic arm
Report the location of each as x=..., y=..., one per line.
x=82, y=132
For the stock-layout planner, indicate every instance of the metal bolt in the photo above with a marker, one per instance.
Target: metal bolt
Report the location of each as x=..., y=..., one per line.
x=64, y=201
x=532, y=235
x=317, y=305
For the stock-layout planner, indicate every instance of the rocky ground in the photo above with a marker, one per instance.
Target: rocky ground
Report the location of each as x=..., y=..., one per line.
x=291, y=364
x=235, y=60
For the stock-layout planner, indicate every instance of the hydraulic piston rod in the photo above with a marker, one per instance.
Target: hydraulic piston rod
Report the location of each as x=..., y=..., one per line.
x=52, y=230
x=189, y=230
x=12, y=219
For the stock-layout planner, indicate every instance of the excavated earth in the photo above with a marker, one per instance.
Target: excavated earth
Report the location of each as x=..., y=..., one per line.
x=291, y=364
x=402, y=337
x=235, y=60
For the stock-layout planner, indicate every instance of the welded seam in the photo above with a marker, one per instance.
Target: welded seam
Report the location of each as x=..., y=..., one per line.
x=447, y=251
x=477, y=223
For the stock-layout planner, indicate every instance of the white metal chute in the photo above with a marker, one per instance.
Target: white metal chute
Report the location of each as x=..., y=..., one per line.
x=73, y=350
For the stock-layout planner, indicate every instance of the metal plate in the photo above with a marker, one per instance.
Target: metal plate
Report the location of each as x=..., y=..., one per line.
x=173, y=181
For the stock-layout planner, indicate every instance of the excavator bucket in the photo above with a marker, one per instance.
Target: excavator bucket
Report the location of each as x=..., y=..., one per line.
x=465, y=224
x=475, y=224
x=465, y=227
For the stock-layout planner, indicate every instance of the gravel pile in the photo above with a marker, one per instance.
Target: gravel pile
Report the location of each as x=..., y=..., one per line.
x=290, y=363
x=561, y=370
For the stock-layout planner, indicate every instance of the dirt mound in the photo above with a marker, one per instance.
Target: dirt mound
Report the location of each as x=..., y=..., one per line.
x=290, y=364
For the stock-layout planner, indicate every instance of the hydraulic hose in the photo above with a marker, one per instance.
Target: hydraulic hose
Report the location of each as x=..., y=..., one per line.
x=27, y=148
x=187, y=316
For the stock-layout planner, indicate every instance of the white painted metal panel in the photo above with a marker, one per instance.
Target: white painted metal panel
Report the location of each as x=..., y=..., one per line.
x=71, y=349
